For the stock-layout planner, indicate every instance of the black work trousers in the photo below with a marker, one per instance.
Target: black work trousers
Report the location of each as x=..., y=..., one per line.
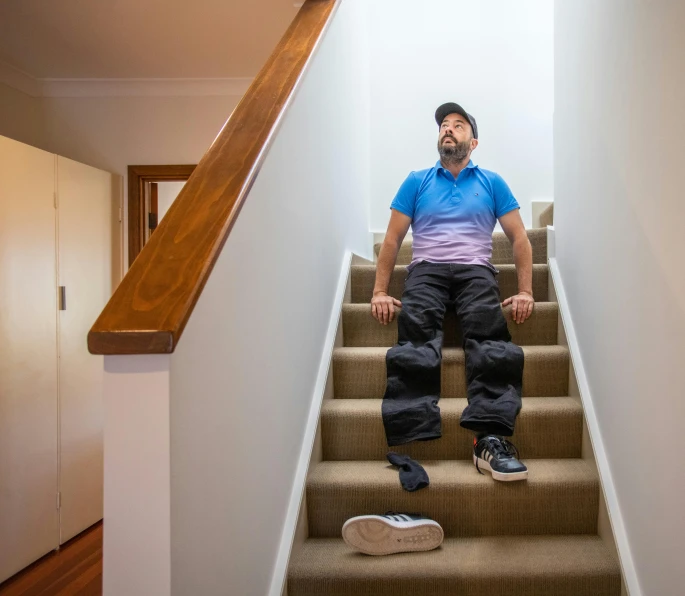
x=494, y=365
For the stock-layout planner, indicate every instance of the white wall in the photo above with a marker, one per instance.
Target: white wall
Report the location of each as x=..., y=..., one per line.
x=136, y=539
x=244, y=374
x=619, y=153
x=493, y=57
x=21, y=117
x=166, y=195
x=112, y=133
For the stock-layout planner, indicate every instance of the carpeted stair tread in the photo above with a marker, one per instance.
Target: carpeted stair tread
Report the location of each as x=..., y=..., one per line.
x=547, y=427
x=360, y=329
x=559, y=497
x=363, y=278
x=360, y=373
x=576, y=565
x=501, y=248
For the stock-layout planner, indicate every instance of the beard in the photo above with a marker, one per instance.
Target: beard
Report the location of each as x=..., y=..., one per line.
x=454, y=153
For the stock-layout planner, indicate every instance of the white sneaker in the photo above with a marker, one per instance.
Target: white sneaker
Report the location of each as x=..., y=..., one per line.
x=392, y=533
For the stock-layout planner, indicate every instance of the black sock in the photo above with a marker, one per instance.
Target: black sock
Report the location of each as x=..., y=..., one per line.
x=412, y=475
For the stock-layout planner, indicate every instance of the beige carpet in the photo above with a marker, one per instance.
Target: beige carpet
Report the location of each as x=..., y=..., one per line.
x=364, y=277
x=361, y=330
x=475, y=566
x=501, y=248
x=360, y=373
x=354, y=430
x=533, y=538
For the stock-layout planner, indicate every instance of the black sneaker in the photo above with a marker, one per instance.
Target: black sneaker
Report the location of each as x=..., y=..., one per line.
x=500, y=457
x=392, y=533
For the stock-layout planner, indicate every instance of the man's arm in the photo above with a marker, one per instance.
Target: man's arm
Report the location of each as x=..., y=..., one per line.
x=382, y=305
x=522, y=303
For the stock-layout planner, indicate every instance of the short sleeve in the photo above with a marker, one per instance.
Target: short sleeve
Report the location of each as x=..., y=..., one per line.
x=504, y=200
x=405, y=199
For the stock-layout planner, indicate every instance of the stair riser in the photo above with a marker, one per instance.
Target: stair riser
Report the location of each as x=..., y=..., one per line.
x=355, y=379
x=547, y=433
x=477, y=566
x=364, y=278
x=529, y=585
x=486, y=508
x=360, y=329
x=501, y=248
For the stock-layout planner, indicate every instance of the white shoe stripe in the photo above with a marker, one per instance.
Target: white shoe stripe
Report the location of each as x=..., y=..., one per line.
x=400, y=517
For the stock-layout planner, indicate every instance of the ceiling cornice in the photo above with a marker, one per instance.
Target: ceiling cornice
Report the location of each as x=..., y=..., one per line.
x=18, y=79
x=143, y=87
x=34, y=87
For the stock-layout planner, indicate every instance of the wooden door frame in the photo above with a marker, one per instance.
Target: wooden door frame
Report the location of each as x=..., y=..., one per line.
x=137, y=177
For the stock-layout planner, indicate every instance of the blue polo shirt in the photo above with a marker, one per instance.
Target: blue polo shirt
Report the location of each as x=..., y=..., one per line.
x=453, y=220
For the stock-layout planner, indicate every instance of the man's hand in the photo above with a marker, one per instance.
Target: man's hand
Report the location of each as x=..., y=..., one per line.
x=383, y=307
x=521, y=306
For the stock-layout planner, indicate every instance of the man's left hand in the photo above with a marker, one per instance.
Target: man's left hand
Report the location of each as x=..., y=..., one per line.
x=521, y=306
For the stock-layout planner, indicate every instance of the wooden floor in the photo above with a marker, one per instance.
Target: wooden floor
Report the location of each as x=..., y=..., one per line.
x=75, y=569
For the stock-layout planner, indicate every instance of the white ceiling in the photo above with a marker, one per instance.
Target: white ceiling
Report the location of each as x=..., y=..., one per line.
x=77, y=39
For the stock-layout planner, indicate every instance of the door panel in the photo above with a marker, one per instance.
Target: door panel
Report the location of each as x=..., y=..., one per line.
x=28, y=357
x=88, y=251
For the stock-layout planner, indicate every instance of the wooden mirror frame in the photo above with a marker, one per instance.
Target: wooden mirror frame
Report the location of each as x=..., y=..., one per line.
x=137, y=177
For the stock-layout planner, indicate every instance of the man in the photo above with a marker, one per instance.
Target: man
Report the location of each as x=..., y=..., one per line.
x=452, y=209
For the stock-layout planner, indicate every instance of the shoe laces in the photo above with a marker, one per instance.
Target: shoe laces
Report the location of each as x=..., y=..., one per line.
x=509, y=448
x=500, y=446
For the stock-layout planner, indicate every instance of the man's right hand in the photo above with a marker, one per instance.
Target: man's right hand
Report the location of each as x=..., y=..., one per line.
x=383, y=307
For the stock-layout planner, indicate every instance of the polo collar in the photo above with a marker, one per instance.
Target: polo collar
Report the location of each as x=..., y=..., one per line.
x=470, y=165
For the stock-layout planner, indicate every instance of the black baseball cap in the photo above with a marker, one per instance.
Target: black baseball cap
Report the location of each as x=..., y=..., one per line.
x=454, y=108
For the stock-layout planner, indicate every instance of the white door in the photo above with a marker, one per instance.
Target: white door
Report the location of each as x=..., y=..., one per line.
x=89, y=261
x=28, y=357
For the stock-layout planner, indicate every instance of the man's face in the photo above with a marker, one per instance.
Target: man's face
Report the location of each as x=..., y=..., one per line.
x=455, y=139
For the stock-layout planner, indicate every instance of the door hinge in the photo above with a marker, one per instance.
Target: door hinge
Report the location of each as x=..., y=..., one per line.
x=63, y=298
x=152, y=220
x=55, y=198
x=120, y=214
x=59, y=500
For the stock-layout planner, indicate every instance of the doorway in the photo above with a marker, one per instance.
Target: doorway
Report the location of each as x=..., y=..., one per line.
x=151, y=191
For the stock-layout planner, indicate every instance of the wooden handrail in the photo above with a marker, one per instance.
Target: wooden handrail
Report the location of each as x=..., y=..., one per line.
x=151, y=306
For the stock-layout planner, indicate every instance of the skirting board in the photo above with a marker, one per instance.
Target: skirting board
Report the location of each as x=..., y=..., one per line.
x=281, y=567
x=606, y=480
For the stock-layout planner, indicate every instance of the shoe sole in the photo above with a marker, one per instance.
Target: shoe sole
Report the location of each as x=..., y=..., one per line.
x=502, y=477
x=374, y=535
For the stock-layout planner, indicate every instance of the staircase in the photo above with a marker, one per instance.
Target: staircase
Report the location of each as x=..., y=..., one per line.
x=533, y=538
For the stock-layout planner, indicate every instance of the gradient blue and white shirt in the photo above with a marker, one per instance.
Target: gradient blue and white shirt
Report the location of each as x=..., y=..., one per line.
x=453, y=220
